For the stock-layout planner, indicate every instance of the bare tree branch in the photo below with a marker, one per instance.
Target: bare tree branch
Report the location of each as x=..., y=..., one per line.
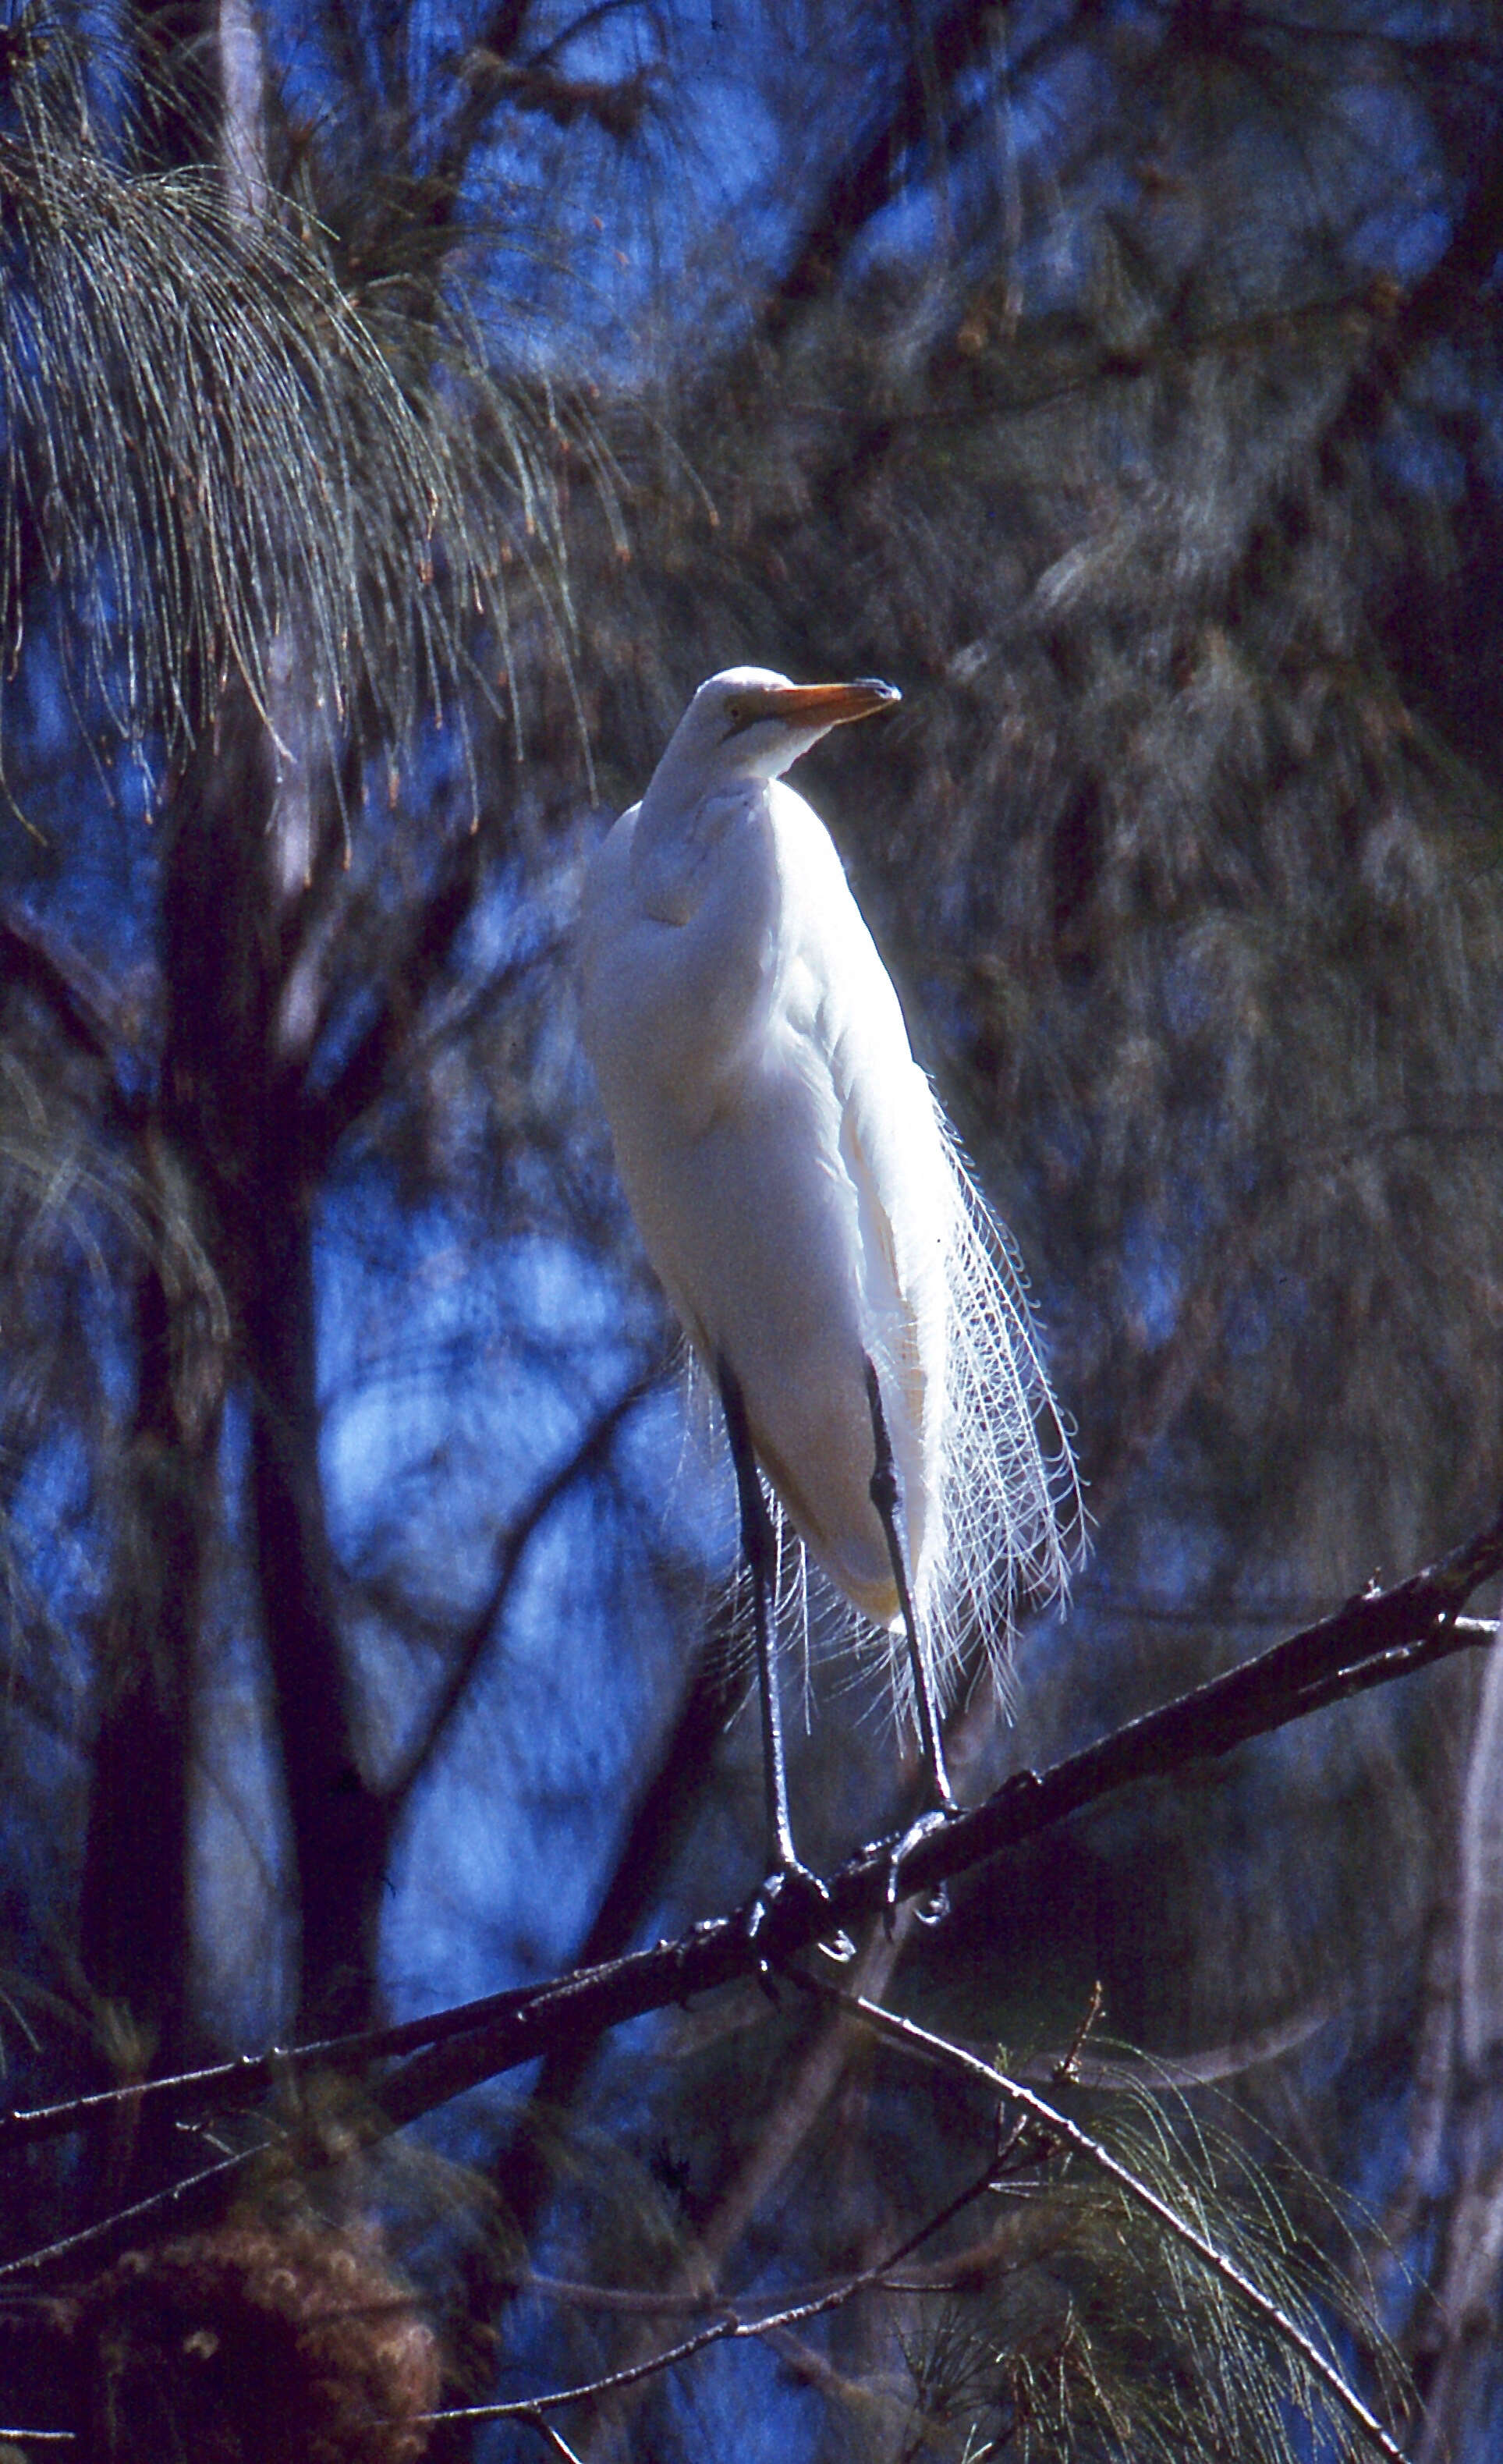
x=1377, y=1636
x=472, y=1644
x=181, y=2203
x=77, y=997
x=411, y=971
x=863, y=179
x=616, y=105
x=1048, y=2132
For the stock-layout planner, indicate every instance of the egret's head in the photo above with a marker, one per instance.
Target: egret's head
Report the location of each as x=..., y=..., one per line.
x=753, y=723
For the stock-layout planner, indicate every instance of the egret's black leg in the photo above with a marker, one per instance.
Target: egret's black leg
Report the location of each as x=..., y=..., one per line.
x=885, y=1498
x=783, y=1868
x=756, y=1539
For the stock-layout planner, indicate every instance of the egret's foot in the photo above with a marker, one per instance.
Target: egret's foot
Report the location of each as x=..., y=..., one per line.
x=936, y=1907
x=784, y=1903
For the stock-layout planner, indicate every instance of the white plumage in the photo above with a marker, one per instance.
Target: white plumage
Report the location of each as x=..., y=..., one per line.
x=797, y=1188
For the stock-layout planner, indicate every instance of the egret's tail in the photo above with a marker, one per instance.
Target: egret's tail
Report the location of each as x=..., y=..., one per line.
x=1011, y=1518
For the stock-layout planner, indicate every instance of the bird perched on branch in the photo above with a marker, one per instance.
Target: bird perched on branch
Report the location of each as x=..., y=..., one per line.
x=802, y=1200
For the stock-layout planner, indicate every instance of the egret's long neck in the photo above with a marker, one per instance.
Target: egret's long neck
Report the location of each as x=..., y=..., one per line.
x=684, y=818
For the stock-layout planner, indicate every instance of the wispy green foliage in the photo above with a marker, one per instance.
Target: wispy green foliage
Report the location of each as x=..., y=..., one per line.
x=227, y=468
x=1098, y=2334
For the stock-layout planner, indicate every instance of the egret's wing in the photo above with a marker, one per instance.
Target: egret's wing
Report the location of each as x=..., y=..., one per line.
x=884, y=1139
x=986, y=1452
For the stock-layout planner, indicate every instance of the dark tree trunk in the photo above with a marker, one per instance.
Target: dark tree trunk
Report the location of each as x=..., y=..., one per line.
x=135, y=1908
x=235, y=906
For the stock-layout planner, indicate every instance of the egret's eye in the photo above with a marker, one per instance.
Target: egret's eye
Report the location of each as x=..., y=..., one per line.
x=737, y=717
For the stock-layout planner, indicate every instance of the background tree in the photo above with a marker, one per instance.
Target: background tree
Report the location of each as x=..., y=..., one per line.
x=1124, y=385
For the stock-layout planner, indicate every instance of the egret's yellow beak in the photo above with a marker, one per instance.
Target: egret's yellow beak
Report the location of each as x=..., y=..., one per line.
x=826, y=705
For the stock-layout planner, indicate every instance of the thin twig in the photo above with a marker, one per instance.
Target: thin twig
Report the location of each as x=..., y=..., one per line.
x=560, y=2444
x=1067, y=2068
x=471, y=1645
x=731, y=2327
x=148, y=2212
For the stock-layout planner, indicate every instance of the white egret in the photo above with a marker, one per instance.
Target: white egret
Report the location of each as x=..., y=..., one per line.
x=802, y=1200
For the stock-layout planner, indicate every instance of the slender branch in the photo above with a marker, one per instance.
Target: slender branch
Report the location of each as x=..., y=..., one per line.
x=1447, y=2350
x=1057, y=2126
x=794, y=2117
x=551, y=2437
x=179, y=2201
x=77, y=998
x=799, y=2109
x=668, y=1802
x=865, y=179
x=410, y=973
x=616, y=105
x=472, y=1644
x=1437, y=303
x=1377, y=1636
x=1024, y=2233
x=490, y=75
x=1056, y=2129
